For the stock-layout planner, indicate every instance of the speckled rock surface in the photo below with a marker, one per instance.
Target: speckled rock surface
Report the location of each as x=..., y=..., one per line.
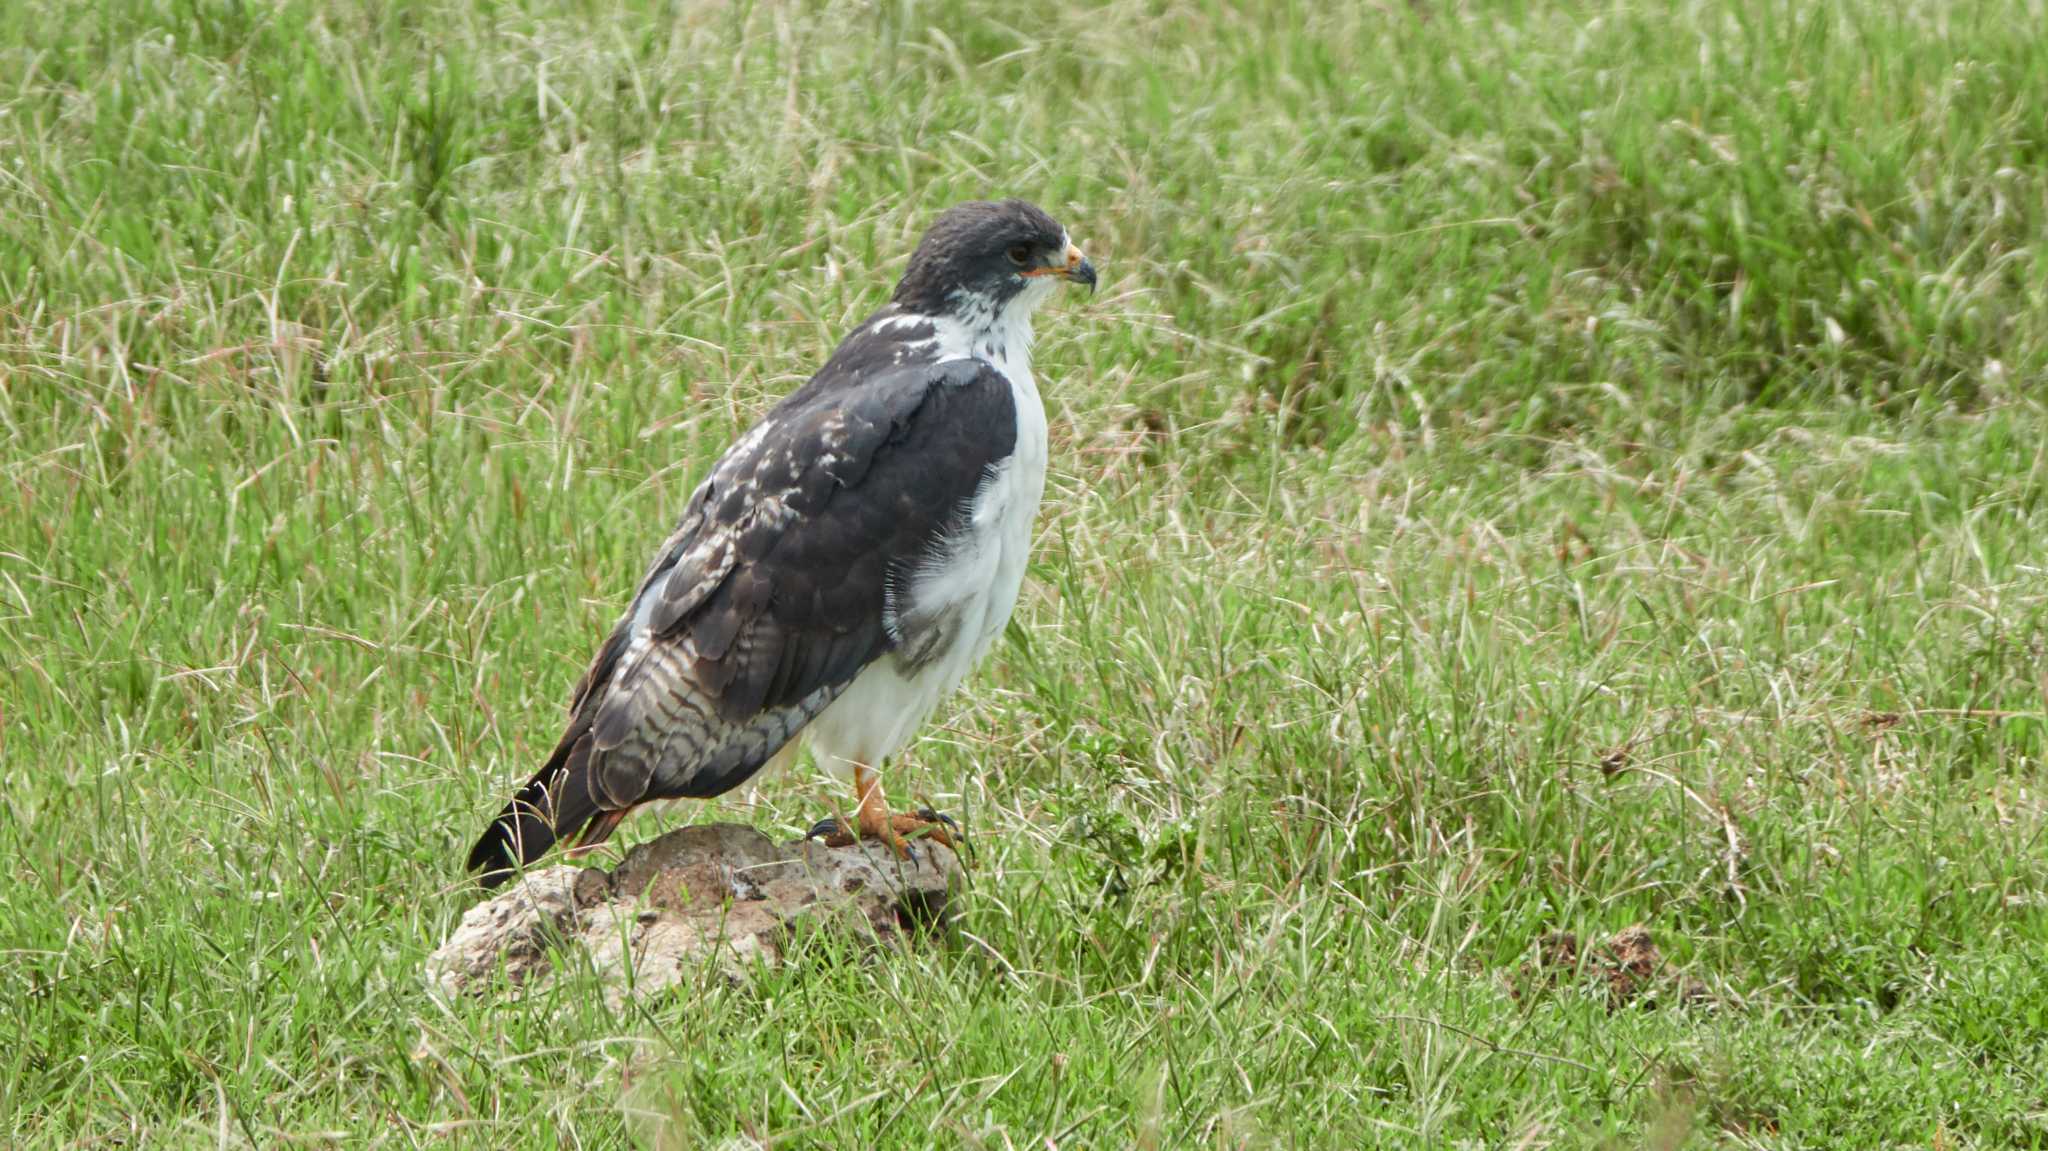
x=717, y=894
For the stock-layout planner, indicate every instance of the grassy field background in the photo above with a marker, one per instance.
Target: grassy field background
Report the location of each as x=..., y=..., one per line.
x=1531, y=468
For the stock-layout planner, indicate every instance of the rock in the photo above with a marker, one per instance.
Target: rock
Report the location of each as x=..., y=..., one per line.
x=714, y=893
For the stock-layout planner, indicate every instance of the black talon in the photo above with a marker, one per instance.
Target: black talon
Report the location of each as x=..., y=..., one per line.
x=827, y=826
x=962, y=847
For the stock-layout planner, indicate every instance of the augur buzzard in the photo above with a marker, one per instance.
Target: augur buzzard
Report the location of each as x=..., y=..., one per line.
x=845, y=565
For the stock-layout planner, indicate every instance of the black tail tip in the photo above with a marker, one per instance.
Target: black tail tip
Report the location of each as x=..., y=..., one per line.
x=492, y=878
x=493, y=863
x=498, y=857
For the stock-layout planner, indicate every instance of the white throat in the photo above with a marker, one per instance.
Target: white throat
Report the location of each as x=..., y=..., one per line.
x=976, y=329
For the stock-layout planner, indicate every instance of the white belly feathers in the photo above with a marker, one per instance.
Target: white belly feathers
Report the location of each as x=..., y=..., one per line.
x=950, y=612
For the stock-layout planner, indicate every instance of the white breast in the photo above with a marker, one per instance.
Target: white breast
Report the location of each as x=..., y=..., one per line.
x=971, y=585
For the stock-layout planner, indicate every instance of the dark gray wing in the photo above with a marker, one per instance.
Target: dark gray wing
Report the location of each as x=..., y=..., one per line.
x=769, y=597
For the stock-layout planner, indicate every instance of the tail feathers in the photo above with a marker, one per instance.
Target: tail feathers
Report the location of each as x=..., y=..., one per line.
x=554, y=805
x=598, y=830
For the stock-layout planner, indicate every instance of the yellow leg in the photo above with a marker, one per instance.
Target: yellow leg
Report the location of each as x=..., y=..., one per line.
x=873, y=820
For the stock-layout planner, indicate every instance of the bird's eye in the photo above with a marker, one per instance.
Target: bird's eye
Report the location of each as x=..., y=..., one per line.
x=1020, y=254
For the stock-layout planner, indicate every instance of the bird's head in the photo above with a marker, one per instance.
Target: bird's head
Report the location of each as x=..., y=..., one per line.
x=991, y=258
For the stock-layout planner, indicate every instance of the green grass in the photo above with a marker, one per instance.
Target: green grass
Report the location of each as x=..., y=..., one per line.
x=1475, y=391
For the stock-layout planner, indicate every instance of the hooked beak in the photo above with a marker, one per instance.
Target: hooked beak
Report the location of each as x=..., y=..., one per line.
x=1078, y=269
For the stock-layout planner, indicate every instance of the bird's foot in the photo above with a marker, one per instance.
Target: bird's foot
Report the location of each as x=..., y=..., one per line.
x=900, y=831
